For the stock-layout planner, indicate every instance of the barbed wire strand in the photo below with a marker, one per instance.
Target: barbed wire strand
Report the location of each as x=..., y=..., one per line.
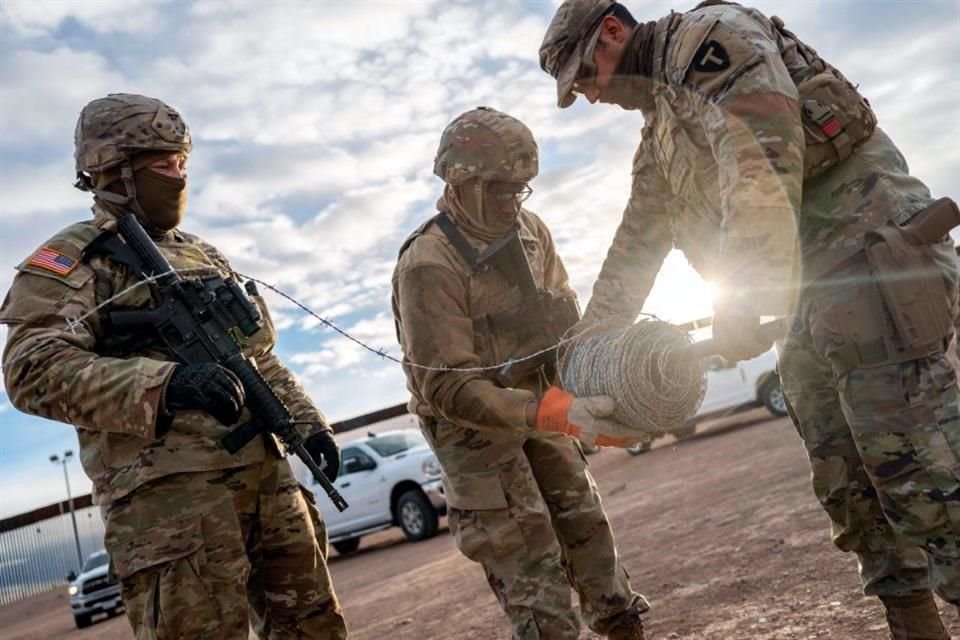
x=655, y=389
x=385, y=355
x=74, y=322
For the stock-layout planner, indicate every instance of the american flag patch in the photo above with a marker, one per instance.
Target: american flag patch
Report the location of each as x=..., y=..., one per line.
x=53, y=260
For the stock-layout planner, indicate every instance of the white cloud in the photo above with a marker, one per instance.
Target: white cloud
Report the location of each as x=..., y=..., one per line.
x=40, y=192
x=338, y=261
x=43, y=92
x=340, y=354
x=255, y=179
x=31, y=18
x=917, y=98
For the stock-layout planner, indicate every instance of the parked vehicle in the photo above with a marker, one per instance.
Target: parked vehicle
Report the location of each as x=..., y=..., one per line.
x=389, y=479
x=94, y=590
x=733, y=387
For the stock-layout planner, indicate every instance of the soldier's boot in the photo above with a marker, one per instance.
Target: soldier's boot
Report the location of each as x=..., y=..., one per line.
x=628, y=629
x=914, y=616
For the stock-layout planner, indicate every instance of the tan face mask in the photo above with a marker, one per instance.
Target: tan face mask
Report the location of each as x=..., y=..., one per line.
x=477, y=211
x=162, y=198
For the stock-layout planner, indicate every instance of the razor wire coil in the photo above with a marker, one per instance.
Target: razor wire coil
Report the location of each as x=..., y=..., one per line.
x=657, y=388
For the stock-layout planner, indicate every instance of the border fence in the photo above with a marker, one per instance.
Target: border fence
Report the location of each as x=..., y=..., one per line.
x=37, y=548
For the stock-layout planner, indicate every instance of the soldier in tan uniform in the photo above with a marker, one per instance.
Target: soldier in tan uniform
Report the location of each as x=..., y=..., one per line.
x=196, y=535
x=478, y=285
x=765, y=166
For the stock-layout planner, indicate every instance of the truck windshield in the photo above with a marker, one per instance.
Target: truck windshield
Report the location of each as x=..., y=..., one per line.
x=96, y=560
x=395, y=443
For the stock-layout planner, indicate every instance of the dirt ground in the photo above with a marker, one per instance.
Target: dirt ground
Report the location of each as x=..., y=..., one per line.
x=720, y=532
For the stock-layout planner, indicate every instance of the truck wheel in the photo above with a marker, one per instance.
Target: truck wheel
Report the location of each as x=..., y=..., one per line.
x=686, y=430
x=771, y=395
x=346, y=547
x=416, y=516
x=82, y=620
x=640, y=447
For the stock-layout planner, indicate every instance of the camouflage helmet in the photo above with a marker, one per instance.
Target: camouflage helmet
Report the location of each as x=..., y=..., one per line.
x=487, y=144
x=112, y=129
x=570, y=39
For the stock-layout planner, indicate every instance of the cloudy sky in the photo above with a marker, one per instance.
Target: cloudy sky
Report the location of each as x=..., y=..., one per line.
x=315, y=126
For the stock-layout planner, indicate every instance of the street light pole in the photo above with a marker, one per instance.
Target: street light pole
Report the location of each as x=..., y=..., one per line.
x=67, y=455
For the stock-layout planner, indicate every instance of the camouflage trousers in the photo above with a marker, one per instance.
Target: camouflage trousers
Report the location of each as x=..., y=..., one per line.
x=527, y=509
x=197, y=553
x=883, y=440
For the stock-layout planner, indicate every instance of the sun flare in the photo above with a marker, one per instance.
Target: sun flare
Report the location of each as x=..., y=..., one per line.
x=679, y=294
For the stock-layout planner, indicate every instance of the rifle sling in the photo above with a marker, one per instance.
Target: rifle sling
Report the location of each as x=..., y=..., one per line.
x=464, y=248
x=518, y=274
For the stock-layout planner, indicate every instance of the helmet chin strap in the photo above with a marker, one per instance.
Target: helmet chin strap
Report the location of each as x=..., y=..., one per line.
x=126, y=174
x=129, y=201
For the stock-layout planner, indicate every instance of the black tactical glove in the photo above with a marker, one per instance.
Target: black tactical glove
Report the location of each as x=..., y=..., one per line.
x=323, y=448
x=738, y=337
x=206, y=387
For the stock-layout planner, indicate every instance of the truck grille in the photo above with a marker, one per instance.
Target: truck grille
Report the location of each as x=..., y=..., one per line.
x=96, y=584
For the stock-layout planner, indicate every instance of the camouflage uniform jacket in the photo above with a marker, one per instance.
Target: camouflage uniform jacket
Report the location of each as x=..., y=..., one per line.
x=109, y=386
x=720, y=174
x=442, y=308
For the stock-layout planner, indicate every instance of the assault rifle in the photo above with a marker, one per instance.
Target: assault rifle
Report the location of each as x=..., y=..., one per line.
x=207, y=319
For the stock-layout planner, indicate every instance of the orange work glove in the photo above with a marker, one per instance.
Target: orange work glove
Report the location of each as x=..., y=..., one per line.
x=586, y=419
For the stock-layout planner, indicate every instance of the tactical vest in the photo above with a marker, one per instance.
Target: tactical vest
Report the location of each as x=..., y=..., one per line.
x=540, y=320
x=836, y=118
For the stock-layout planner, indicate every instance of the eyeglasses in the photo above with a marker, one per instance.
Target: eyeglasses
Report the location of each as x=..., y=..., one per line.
x=587, y=72
x=586, y=77
x=506, y=193
x=581, y=87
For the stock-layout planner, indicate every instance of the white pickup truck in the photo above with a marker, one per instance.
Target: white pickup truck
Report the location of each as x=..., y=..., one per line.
x=389, y=479
x=94, y=590
x=734, y=386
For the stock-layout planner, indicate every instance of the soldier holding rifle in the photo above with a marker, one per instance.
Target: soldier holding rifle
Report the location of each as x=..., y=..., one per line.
x=200, y=537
